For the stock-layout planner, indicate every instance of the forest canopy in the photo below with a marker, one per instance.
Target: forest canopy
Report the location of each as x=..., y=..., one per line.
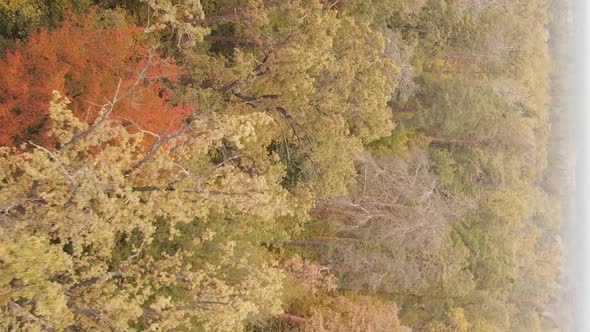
x=265, y=165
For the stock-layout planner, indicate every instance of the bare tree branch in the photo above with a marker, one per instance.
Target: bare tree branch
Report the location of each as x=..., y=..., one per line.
x=111, y=106
x=15, y=306
x=94, y=314
x=156, y=146
x=60, y=165
x=94, y=280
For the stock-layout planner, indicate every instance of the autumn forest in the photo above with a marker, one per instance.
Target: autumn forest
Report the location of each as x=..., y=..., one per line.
x=284, y=165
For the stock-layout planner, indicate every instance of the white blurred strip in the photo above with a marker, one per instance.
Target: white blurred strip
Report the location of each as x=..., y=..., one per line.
x=582, y=88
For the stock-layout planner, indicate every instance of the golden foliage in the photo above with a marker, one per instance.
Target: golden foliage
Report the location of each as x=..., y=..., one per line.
x=81, y=199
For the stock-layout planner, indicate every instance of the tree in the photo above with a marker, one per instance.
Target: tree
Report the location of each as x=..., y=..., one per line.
x=20, y=17
x=355, y=313
x=87, y=207
x=396, y=219
x=458, y=109
x=318, y=307
x=177, y=15
x=87, y=61
x=271, y=165
x=326, y=100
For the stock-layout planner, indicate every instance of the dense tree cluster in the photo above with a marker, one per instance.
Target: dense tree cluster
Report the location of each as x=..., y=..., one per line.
x=265, y=165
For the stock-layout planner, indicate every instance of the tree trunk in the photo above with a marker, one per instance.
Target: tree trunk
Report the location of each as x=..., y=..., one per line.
x=326, y=212
x=230, y=40
x=454, y=141
x=229, y=14
x=235, y=14
x=405, y=110
x=304, y=243
x=220, y=17
x=292, y=318
x=337, y=239
x=318, y=242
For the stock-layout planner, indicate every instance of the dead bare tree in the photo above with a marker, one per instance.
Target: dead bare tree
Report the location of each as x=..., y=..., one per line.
x=394, y=198
x=399, y=216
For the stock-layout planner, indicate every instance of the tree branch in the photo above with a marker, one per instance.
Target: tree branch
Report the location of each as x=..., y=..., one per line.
x=94, y=280
x=15, y=306
x=155, y=147
x=292, y=318
x=61, y=166
x=111, y=104
x=94, y=314
x=195, y=305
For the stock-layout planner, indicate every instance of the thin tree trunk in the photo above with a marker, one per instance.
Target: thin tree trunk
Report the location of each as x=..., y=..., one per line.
x=318, y=242
x=455, y=141
x=326, y=212
x=15, y=306
x=337, y=239
x=237, y=13
x=304, y=243
x=405, y=110
x=230, y=40
x=292, y=318
x=229, y=14
x=224, y=15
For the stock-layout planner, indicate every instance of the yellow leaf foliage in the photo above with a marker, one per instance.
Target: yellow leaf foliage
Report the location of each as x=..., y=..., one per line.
x=65, y=213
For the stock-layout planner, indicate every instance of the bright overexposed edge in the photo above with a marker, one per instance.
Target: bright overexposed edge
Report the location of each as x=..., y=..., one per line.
x=581, y=259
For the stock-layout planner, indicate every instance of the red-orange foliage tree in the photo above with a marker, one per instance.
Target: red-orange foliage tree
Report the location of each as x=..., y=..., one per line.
x=90, y=65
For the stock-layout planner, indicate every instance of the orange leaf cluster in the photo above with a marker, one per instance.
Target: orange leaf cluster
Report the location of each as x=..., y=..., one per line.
x=87, y=64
